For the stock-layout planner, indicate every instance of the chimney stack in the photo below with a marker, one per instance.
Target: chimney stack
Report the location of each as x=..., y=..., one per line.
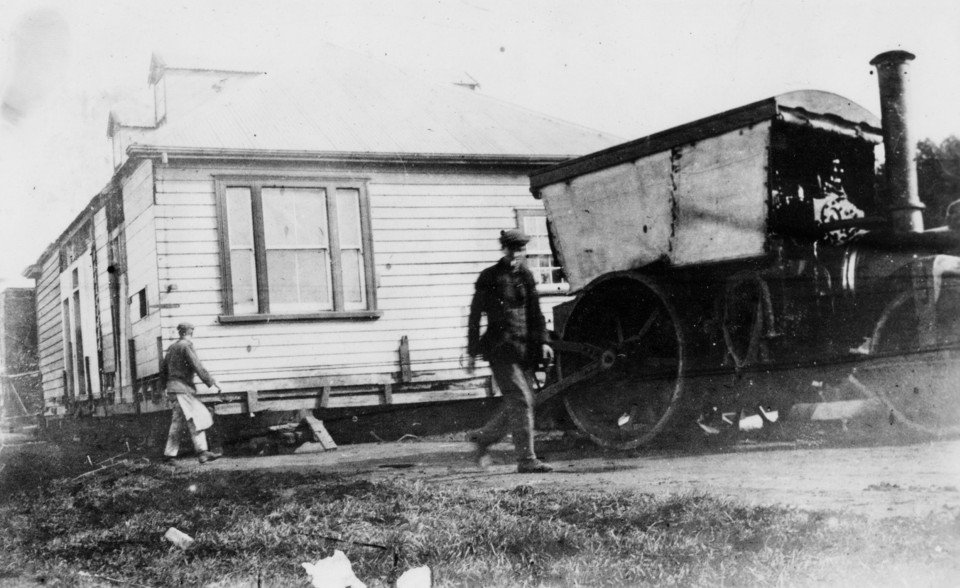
x=898, y=142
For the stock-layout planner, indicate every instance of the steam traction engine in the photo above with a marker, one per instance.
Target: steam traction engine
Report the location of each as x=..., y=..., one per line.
x=746, y=257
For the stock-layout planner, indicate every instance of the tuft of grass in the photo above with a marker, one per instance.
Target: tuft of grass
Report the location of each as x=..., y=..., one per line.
x=255, y=528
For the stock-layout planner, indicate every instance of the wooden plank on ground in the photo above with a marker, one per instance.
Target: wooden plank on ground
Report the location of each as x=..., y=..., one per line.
x=320, y=434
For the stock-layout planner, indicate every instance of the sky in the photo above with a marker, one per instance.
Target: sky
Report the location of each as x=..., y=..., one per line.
x=627, y=67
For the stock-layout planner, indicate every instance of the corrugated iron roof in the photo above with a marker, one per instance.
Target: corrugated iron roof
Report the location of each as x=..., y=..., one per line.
x=356, y=104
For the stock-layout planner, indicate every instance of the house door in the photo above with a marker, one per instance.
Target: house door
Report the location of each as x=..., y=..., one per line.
x=79, y=328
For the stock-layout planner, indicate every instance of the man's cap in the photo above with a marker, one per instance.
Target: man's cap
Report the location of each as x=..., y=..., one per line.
x=184, y=326
x=513, y=238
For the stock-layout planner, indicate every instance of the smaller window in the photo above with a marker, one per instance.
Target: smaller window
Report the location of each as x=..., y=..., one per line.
x=138, y=305
x=540, y=259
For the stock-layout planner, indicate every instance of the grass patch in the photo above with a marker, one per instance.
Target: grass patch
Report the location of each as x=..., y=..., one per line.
x=255, y=527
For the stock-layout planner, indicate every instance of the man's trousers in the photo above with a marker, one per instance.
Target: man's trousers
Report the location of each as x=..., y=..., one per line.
x=178, y=419
x=515, y=414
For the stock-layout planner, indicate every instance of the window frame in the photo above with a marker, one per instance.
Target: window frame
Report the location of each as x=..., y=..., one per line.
x=561, y=288
x=330, y=184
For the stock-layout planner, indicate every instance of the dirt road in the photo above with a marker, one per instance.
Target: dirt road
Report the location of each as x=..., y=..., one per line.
x=889, y=480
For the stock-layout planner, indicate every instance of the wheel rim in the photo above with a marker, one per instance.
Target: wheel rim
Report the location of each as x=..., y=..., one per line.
x=637, y=387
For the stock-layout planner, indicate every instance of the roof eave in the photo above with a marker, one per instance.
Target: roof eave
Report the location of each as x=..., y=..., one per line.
x=139, y=151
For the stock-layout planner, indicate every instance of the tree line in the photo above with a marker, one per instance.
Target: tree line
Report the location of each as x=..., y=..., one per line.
x=938, y=177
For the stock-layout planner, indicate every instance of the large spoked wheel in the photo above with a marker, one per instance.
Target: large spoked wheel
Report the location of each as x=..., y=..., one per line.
x=917, y=377
x=622, y=354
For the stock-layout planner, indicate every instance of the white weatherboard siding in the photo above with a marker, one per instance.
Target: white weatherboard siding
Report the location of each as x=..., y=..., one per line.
x=432, y=236
x=50, y=328
x=101, y=240
x=142, y=261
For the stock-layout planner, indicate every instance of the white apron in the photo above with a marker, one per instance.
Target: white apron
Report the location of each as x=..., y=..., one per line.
x=195, y=411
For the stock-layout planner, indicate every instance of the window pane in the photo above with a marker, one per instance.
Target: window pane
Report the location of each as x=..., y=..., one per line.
x=536, y=228
x=298, y=280
x=294, y=217
x=243, y=274
x=348, y=217
x=353, y=281
x=351, y=247
x=239, y=218
x=540, y=260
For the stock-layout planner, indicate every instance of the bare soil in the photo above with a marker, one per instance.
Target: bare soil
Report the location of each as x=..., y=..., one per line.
x=862, y=469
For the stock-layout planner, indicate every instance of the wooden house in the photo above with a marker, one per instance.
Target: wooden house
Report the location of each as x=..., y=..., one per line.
x=322, y=232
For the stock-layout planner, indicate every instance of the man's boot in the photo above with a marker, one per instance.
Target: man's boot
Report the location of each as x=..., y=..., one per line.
x=481, y=453
x=533, y=466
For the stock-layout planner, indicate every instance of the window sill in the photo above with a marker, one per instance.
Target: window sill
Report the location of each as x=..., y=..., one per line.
x=317, y=316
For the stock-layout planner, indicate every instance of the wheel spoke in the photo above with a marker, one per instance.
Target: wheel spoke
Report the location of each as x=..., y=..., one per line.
x=585, y=350
x=643, y=330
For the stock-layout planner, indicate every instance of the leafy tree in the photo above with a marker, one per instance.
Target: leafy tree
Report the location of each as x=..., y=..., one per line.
x=938, y=176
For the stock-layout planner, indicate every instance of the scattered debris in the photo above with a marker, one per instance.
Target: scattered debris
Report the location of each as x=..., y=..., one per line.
x=750, y=423
x=415, y=578
x=707, y=428
x=99, y=469
x=333, y=572
x=178, y=538
x=105, y=464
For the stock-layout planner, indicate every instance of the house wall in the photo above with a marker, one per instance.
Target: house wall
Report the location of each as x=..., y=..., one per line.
x=102, y=281
x=50, y=329
x=432, y=234
x=141, y=268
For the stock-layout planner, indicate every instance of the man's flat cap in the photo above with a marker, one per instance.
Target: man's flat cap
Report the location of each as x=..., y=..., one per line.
x=513, y=238
x=184, y=326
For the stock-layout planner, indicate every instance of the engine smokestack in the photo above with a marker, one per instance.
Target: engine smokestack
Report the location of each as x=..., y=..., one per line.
x=898, y=142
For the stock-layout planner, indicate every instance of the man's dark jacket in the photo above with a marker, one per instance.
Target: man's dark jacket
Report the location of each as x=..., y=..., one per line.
x=179, y=367
x=516, y=329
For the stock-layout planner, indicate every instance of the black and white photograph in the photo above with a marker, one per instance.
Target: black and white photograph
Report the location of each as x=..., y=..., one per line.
x=479, y=293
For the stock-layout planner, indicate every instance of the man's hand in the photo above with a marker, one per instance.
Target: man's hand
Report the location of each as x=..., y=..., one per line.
x=471, y=364
x=547, y=353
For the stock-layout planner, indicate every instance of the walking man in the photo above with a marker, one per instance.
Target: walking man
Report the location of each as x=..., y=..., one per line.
x=514, y=343
x=179, y=366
